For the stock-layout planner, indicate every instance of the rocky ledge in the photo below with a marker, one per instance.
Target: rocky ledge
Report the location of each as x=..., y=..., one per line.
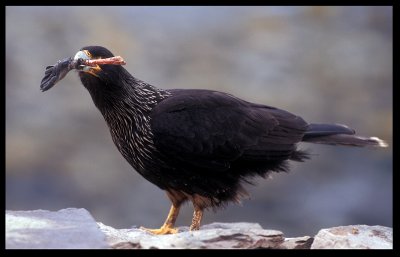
x=76, y=228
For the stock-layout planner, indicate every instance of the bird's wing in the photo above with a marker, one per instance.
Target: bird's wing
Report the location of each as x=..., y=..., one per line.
x=209, y=129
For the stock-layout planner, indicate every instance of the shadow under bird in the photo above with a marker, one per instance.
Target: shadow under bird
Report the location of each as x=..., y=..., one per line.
x=197, y=145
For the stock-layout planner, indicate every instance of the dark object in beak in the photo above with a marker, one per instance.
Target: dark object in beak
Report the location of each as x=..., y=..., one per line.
x=57, y=72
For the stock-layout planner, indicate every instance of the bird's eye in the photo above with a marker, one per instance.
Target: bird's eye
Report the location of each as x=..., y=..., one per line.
x=88, y=54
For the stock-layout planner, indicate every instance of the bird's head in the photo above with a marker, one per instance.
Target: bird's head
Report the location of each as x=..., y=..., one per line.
x=89, y=53
x=91, y=62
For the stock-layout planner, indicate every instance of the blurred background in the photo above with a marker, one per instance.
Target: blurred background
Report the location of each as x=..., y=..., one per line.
x=326, y=64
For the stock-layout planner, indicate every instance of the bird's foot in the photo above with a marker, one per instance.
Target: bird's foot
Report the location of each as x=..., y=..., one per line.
x=164, y=230
x=194, y=227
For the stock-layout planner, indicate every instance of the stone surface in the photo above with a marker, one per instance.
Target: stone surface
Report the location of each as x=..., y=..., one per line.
x=39, y=229
x=212, y=236
x=297, y=243
x=354, y=237
x=76, y=228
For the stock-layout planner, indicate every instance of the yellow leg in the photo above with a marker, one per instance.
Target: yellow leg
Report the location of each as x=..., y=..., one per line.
x=197, y=215
x=168, y=227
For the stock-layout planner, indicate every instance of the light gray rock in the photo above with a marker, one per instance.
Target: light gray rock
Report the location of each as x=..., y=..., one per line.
x=76, y=228
x=354, y=237
x=212, y=236
x=40, y=229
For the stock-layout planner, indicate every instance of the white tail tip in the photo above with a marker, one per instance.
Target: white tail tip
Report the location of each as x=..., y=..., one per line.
x=379, y=141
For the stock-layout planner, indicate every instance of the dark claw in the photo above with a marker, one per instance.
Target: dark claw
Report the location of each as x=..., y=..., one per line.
x=57, y=72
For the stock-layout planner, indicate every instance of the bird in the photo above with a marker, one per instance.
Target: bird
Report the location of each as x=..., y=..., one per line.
x=197, y=145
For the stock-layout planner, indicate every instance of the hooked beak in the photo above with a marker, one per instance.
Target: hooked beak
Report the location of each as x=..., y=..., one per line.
x=85, y=55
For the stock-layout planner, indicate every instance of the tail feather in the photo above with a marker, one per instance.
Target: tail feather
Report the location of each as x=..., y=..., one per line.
x=337, y=134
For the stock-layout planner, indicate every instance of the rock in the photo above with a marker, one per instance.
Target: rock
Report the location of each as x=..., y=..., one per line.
x=39, y=229
x=212, y=236
x=76, y=228
x=297, y=243
x=354, y=237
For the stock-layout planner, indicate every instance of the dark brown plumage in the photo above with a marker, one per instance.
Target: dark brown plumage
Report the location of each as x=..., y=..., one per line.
x=197, y=145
